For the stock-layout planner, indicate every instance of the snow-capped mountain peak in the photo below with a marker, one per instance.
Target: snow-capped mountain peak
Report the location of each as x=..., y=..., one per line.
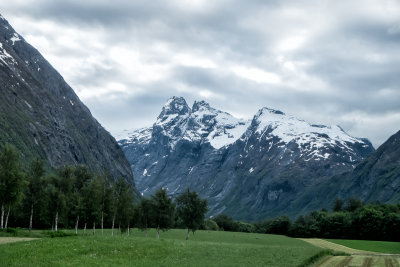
x=175, y=105
x=311, y=139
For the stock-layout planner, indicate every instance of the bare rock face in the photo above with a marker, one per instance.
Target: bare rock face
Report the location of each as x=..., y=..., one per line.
x=42, y=116
x=250, y=169
x=377, y=178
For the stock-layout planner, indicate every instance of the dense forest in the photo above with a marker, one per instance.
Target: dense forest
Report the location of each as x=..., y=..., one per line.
x=73, y=197
x=350, y=219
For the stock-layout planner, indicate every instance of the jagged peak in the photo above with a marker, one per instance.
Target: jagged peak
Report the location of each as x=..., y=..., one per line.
x=197, y=105
x=266, y=110
x=175, y=105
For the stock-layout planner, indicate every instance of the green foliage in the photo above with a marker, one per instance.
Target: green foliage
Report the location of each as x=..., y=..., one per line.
x=144, y=214
x=163, y=210
x=53, y=234
x=12, y=180
x=191, y=210
x=374, y=221
x=338, y=206
x=225, y=222
x=244, y=227
x=209, y=225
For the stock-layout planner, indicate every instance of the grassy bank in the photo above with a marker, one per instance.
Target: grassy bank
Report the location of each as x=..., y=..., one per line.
x=375, y=246
x=203, y=249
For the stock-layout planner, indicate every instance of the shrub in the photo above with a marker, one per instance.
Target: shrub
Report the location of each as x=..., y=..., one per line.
x=210, y=225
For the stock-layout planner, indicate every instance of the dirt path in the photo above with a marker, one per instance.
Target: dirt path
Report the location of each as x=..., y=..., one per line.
x=357, y=258
x=5, y=240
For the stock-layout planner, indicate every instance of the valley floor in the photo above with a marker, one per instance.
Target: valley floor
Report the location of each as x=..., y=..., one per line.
x=205, y=248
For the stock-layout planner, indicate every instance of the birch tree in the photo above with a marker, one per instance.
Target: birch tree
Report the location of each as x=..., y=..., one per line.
x=11, y=182
x=191, y=210
x=35, y=186
x=82, y=178
x=125, y=206
x=93, y=201
x=105, y=180
x=116, y=192
x=60, y=193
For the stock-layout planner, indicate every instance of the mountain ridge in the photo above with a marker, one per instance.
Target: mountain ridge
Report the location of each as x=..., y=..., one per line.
x=233, y=162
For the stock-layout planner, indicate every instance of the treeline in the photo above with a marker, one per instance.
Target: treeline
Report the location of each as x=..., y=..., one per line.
x=351, y=219
x=73, y=197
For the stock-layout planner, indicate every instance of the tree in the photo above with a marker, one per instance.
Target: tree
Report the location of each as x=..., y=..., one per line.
x=60, y=194
x=191, y=209
x=105, y=181
x=81, y=181
x=125, y=205
x=279, y=225
x=35, y=186
x=225, y=222
x=338, y=205
x=353, y=204
x=92, y=200
x=144, y=214
x=11, y=181
x=164, y=211
x=122, y=208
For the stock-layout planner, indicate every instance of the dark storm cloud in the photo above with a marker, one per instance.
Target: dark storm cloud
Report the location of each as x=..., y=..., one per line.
x=332, y=62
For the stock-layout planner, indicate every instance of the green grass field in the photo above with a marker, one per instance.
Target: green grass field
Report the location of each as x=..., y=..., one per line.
x=375, y=246
x=205, y=248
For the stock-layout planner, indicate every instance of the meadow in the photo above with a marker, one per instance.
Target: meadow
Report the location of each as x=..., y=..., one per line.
x=204, y=248
x=375, y=246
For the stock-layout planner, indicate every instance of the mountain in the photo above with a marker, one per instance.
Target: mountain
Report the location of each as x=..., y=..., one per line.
x=42, y=116
x=377, y=178
x=250, y=169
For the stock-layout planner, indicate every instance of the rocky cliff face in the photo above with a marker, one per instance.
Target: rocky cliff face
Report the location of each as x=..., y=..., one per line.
x=247, y=169
x=42, y=116
x=377, y=178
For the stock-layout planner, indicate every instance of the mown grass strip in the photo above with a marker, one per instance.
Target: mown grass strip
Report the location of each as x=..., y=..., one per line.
x=318, y=256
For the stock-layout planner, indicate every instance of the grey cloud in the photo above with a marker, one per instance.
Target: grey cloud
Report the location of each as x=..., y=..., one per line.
x=354, y=53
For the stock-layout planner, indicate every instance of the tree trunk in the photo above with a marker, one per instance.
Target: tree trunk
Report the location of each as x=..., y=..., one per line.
x=112, y=228
x=56, y=222
x=76, y=225
x=84, y=229
x=158, y=232
x=119, y=228
x=102, y=223
x=52, y=224
x=94, y=228
x=128, y=230
x=187, y=234
x=31, y=218
x=8, y=214
x=2, y=216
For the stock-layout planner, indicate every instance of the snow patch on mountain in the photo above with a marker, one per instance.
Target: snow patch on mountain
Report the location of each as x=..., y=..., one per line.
x=309, y=137
x=15, y=38
x=4, y=56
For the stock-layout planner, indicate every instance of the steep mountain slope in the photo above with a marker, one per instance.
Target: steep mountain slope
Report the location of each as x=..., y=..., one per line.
x=377, y=178
x=41, y=114
x=247, y=169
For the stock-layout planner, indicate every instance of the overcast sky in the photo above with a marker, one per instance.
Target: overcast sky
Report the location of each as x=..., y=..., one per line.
x=328, y=62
